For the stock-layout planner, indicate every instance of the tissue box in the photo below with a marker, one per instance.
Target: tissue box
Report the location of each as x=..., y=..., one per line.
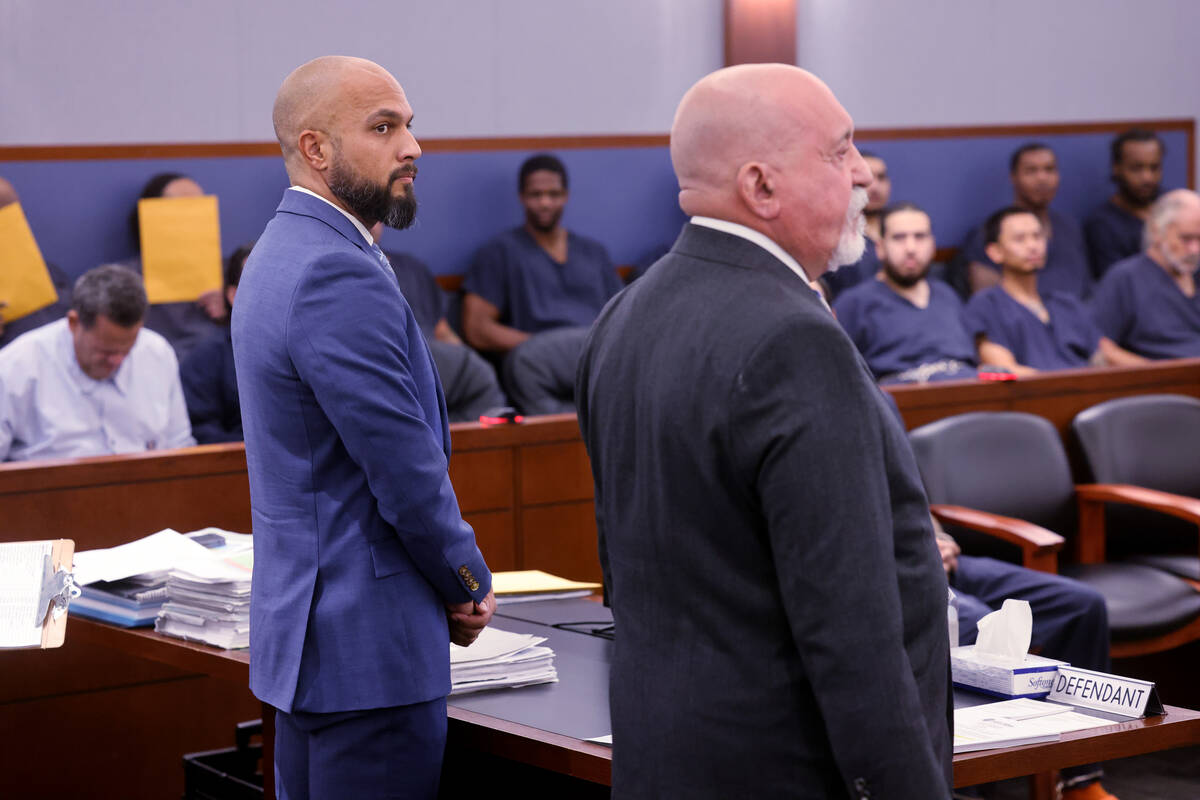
x=1031, y=676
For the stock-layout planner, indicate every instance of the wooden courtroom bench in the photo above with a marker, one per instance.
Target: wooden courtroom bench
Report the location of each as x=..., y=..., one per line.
x=526, y=489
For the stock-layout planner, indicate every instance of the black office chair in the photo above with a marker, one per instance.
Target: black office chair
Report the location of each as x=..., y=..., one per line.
x=1150, y=441
x=1014, y=465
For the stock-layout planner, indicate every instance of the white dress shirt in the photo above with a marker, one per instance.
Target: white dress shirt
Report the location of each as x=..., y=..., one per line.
x=50, y=409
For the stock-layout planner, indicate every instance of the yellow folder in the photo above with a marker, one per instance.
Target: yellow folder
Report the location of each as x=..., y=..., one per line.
x=25, y=285
x=181, y=247
x=534, y=581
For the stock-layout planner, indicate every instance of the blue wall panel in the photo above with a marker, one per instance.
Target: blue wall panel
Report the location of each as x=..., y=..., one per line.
x=625, y=197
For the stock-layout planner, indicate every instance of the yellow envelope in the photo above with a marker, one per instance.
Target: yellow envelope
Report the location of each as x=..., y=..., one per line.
x=25, y=284
x=181, y=247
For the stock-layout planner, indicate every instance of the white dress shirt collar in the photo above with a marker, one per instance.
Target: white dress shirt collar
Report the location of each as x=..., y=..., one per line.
x=751, y=235
x=366, y=234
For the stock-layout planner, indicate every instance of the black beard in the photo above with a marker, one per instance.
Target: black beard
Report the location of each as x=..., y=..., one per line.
x=1132, y=197
x=904, y=281
x=371, y=202
x=548, y=227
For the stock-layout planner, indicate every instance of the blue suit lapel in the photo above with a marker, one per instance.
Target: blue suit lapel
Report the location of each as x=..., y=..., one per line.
x=306, y=205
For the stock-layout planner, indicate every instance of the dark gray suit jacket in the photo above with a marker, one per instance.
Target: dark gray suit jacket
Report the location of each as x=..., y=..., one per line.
x=779, y=601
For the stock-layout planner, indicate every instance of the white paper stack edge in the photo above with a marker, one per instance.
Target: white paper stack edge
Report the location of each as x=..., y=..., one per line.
x=209, y=601
x=500, y=659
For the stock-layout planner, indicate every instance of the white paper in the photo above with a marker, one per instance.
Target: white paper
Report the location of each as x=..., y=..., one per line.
x=158, y=552
x=500, y=659
x=997, y=724
x=493, y=643
x=22, y=567
x=503, y=683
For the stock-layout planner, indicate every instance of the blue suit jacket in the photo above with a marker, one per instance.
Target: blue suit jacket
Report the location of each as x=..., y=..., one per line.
x=358, y=539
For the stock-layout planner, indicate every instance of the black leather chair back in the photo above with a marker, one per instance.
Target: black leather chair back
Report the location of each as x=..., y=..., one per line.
x=1004, y=462
x=1148, y=440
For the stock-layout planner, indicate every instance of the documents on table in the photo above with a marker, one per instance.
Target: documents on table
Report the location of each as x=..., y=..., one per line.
x=209, y=601
x=533, y=584
x=181, y=247
x=36, y=586
x=1015, y=722
x=25, y=284
x=157, y=553
x=194, y=586
x=501, y=660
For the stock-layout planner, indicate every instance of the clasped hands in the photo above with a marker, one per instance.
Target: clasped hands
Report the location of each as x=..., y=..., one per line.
x=467, y=620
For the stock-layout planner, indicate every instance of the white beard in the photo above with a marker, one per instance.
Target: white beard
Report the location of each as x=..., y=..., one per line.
x=851, y=243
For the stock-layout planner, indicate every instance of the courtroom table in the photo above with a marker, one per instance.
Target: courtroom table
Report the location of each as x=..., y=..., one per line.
x=1179, y=727
x=545, y=726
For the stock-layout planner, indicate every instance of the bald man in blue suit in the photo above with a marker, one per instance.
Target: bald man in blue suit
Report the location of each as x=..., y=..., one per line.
x=364, y=568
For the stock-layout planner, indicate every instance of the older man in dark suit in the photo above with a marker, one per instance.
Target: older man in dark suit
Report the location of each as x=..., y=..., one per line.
x=779, y=601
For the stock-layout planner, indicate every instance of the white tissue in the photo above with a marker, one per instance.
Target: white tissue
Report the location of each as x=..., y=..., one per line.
x=1004, y=635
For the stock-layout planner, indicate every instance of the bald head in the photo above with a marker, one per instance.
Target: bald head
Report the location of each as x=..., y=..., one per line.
x=751, y=112
x=315, y=95
x=344, y=126
x=8, y=195
x=769, y=146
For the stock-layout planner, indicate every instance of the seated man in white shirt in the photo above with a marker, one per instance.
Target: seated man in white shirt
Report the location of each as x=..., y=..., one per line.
x=93, y=383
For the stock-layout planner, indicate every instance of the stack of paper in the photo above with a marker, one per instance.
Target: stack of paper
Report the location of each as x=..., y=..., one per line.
x=500, y=660
x=533, y=584
x=209, y=601
x=1015, y=722
x=126, y=585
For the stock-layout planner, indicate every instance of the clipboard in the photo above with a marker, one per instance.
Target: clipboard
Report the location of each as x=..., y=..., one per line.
x=47, y=588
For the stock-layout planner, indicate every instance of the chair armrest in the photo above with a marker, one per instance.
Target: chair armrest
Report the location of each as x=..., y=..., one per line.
x=1092, y=497
x=1039, y=547
x=1177, y=505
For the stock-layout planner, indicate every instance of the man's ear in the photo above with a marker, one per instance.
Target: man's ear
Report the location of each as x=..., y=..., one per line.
x=757, y=189
x=73, y=320
x=995, y=253
x=315, y=149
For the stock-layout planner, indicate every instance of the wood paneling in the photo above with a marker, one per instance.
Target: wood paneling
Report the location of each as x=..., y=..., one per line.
x=32, y=674
x=1028, y=129
x=123, y=744
x=561, y=539
x=1057, y=396
x=551, y=473
x=105, y=152
x=482, y=479
x=102, y=152
x=496, y=535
